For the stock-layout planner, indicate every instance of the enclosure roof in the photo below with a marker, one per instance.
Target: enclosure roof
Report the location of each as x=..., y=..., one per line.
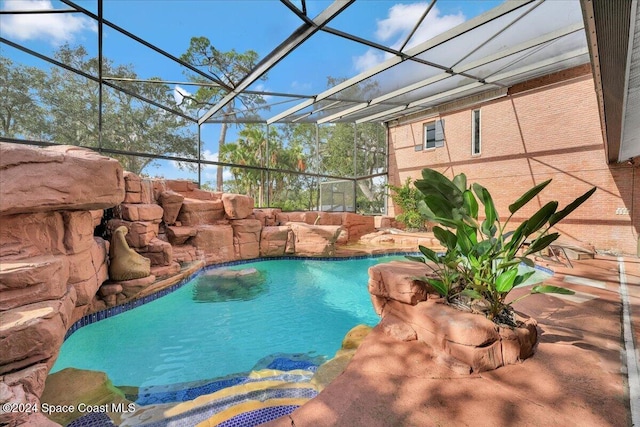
x=512, y=43
x=516, y=41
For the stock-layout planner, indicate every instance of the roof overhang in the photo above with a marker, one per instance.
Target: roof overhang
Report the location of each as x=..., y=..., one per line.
x=613, y=35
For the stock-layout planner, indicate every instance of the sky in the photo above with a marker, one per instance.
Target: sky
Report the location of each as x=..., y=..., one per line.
x=260, y=25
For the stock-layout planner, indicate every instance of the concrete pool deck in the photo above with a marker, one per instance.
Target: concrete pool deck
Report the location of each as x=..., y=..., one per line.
x=577, y=376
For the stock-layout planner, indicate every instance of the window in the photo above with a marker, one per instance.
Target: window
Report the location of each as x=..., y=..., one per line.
x=475, y=132
x=430, y=135
x=433, y=135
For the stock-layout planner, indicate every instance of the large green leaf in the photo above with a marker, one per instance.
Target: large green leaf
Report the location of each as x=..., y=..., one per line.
x=528, y=262
x=474, y=262
x=430, y=254
x=434, y=181
x=441, y=207
x=470, y=204
x=464, y=243
x=540, y=218
x=541, y=242
x=467, y=238
x=477, y=188
x=558, y=216
x=446, y=237
x=505, y=281
x=425, y=210
x=521, y=278
x=491, y=215
x=548, y=289
x=460, y=181
x=516, y=238
x=526, y=197
x=414, y=258
x=439, y=286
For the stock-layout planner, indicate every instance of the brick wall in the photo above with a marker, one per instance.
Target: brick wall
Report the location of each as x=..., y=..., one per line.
x=544, y=128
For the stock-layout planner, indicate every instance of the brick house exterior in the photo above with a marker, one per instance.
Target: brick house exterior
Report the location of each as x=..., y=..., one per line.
x=548, y=127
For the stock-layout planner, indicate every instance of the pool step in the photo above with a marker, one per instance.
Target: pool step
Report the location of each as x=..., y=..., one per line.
x=262, y=395
x=182, y=392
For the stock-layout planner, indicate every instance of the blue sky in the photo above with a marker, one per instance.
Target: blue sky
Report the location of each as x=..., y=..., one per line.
x=237, y=24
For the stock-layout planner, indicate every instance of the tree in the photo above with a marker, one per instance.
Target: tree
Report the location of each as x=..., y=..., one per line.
x=20, y=109
x=249, y=150
x=255, y=148
x=128, y=123
x=229, y=68
x=352, y=150
x=63, y=107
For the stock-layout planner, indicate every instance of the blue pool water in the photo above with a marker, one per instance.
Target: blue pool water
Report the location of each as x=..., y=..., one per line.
x=307, y=308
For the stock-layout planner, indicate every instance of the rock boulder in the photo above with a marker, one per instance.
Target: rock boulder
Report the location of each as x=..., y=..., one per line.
x=70, y=178
x=237, y=206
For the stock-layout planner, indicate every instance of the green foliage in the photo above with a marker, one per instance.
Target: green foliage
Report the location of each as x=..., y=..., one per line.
x=256, y=148
x=20, y=109
x=407, y=198
x=62, y=106
x=481, y=259
x=229, y=69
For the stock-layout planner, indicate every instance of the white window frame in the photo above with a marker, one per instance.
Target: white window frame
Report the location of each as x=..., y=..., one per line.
x=473, y=132
x=424, y=144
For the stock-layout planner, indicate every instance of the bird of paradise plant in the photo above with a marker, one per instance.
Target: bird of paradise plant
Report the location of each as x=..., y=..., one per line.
x=482, y=258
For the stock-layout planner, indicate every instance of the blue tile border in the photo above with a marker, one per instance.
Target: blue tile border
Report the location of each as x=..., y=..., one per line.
x=258, y=416
x=93, y=419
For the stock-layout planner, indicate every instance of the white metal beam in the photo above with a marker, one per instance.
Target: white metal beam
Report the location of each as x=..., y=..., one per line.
x=463, y=68
x=482, y=61
x=280, y=52
x=549, y=61
x=343, y=113
x=444, y=94
x=520, y=47
x=501, y=76
x=290, y=111
x=382, y=114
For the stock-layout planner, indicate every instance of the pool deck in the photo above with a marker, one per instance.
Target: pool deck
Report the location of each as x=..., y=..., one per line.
x=577, y=376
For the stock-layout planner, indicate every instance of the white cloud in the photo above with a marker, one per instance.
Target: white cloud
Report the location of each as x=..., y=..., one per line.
x=261, y=88
x=370, y=58
x=56, y=28
x=394, y=29
x=433, y=24
x=209, y=156
x=179, y=93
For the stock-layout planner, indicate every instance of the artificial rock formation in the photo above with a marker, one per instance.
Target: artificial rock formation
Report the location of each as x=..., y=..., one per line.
x=51, y=265
x=54, y=266
x=465, y=342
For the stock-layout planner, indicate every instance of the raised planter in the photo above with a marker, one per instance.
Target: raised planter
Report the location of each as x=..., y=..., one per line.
x=466, y=342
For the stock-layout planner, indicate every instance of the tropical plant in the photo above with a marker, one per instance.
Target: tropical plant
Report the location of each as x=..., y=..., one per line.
x=481, y=260
x=407, y=198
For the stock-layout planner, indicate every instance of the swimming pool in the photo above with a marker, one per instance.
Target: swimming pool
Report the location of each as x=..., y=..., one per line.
x=302, y=308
